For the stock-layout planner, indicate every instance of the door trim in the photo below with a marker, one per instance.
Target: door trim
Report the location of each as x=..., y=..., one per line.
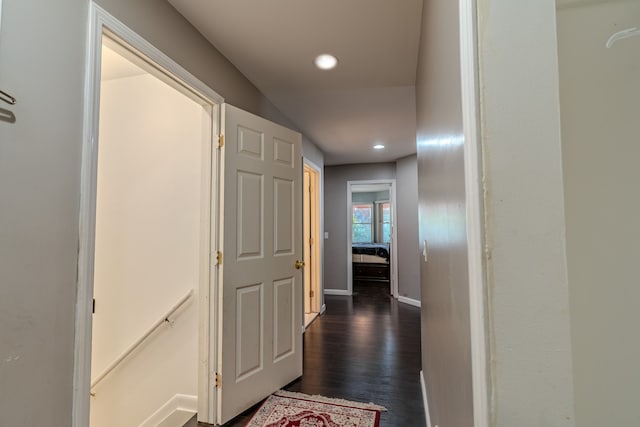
x=320, y=232
x=474, y=214
x=100, y=23
x=394, y=235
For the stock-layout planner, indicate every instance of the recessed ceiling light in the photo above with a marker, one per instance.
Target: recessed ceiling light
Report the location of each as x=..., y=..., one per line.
x=378, y=147
x=325, y=61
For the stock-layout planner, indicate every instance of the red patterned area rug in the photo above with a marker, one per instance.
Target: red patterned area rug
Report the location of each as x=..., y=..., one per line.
x=288, y=409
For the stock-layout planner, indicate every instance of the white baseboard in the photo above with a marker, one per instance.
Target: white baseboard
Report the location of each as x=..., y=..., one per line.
x=323, y=309
x=173, y=412
x=343, y=292
x=425, y=401
x=306, y=325
x=410, y=301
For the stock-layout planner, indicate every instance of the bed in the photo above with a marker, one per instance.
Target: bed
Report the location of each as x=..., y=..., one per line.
x=371, y=261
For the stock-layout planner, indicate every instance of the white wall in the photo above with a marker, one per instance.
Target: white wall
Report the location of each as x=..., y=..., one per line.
x=41, y=64
x=147, y=246
x=531, y=366
x=599, y=94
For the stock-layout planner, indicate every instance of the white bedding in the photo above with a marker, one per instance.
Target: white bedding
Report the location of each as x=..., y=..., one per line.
x=368, y=258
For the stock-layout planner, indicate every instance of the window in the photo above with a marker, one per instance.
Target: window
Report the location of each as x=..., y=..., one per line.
x=384, y=222
x=362, y=231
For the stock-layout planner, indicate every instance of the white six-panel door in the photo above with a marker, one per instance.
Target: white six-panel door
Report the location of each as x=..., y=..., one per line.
x=261, y=310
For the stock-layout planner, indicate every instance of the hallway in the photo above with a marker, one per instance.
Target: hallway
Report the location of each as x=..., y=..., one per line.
x=364, y=348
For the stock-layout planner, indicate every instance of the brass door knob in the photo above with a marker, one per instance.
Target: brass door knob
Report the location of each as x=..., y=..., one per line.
x=299, y=264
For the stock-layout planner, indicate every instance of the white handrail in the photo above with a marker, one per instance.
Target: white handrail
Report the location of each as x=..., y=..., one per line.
x=624, y=34
x=152, y=329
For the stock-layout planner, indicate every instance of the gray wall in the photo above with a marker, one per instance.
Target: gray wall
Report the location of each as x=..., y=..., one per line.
x=335, y=221
x=446, y=352
x=162, y=26
x=407, y=215
x=42, y=50
x=530, y=337
x=311, y=152
x=42, y=54
x=599, y=91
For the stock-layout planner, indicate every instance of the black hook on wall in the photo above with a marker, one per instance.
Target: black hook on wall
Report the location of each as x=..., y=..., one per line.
x=7, y=98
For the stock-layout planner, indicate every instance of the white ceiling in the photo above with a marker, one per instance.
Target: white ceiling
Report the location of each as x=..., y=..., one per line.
x=368, y=98
x=115, y=66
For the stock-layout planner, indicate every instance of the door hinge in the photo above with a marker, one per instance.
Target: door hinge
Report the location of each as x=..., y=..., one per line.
x=218, y=380
x=93, y=309
x=311, y=293
x=220, y=141
x=310, y=241
x=219, y=257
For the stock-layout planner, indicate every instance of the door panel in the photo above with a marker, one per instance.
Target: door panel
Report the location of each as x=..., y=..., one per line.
x=249, y=310
x=251, y=215
x=250, y=143
x=283, y=152
x=261, y=307
x=283, y=319
x=283, y=225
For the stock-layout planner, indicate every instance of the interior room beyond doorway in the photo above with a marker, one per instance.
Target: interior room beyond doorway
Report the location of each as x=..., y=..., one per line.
x=311, y=239
x=149, y=206
x=372, y=244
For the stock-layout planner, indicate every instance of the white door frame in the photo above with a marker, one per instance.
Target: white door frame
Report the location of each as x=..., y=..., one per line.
x=394, y=233
x=320, y=198
x=102, y=23
x=474, y=213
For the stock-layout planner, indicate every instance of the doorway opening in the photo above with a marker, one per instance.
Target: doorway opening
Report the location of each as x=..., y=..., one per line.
x=151, y=185
x=312, y=242
x=147, y=292
x=371, y=236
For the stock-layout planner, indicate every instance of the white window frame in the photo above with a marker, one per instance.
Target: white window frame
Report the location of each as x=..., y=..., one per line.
x=380, y=220
x=371, y=229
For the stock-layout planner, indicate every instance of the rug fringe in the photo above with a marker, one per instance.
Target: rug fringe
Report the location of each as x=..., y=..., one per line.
x=335, y=401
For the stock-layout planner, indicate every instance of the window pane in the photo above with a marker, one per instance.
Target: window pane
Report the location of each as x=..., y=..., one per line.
x=361, y=233
x=361, y=214
x=386, y=232
x=386, y=212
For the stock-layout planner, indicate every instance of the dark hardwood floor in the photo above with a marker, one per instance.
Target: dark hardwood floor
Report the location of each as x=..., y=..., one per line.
x=364, y=348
